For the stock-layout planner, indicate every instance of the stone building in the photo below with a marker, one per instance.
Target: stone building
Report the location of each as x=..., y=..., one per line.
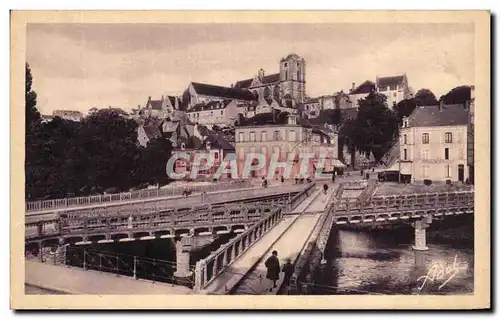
x=360, y=92
x=395, y=88
x=286, y=135
x=433, y=143
x=288, y=87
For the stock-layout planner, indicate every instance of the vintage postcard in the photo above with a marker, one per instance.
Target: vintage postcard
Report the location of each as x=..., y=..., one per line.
x=250, y=160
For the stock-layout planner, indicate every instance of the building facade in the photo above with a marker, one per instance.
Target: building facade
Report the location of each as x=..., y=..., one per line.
x=287, y=141
x=395, y=88
x=288, y=87
x=357, y=93
x=433, y=143
x=221, y=113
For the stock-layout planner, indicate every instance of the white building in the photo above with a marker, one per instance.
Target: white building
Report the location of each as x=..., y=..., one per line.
x=221, y=113
x=433, y=143
x=395, y=88
x=360, y=92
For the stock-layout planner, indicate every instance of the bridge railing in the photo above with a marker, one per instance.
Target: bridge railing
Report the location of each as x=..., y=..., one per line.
x=349, y=206
x=297, y=199
x=103, y=261
x=127, y=196
x=208, y=269
x=85, y=226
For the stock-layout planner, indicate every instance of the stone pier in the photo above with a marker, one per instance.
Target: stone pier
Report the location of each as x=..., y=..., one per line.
x=420, y=233
x=183, y=249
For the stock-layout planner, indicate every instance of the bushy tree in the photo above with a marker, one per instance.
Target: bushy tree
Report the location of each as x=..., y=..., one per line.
x=425, y=97
x=458, y=95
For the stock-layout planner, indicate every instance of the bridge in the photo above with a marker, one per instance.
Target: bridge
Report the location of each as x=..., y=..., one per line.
x=297, y=225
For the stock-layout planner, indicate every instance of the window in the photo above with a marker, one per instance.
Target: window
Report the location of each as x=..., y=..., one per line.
x=425, y=138
x=264, y=150
x=291, y=135
x=425, y=154
x=404, y=139
x=298, y=75
x=405, y=155
x=446, y=153
x=424, y=171
x=286, y=75
x=241, y=137
x=276, y=135
x=222, y=112
x=252, y=136
x=286, y=64
x=263, y=136
x=394, y=94
x=216, y=155
x=392, y=87
x=382, y=88
x=448, y=170
x=447, y=137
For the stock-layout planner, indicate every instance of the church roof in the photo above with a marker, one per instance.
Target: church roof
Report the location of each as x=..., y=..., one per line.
x=389, y=80
x=268, y=79
x=223, y=92
x=434, y=115
x=291, y=56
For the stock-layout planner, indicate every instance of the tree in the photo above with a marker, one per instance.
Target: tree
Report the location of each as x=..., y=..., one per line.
x=425, y=97
x=32, y=114
x=376, y=126
x=458, y=95
x=154, y=160
x=108, y=143
x=347, y=135
x=405, y=108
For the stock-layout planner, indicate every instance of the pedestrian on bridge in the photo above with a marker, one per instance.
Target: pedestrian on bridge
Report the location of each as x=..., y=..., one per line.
x=273, y=268
x=288, y=271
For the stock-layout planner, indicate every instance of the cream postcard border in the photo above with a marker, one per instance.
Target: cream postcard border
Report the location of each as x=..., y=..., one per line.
x=481, y=296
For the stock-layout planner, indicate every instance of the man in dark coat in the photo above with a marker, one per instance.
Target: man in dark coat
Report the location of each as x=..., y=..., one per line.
x=273, y=268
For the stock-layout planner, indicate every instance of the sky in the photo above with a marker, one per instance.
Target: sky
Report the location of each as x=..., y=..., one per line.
x=80, y=66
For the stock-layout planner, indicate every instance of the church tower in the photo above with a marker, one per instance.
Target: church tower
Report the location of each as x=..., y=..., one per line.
x=293, y=79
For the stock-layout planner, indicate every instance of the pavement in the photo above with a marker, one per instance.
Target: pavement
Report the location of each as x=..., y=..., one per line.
x=241, y=266
x=73, y=280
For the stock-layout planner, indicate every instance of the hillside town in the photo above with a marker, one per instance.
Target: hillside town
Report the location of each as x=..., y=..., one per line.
x=272, y=114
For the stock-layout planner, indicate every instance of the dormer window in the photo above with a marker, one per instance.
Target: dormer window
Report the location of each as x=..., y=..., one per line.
x=183, y=146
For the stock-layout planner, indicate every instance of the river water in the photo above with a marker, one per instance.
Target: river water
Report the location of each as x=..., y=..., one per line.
x=370, y=261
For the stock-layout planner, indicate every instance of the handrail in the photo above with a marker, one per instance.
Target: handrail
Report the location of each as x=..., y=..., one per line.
x=208, y=269
x=126, y=196
x=103, y=261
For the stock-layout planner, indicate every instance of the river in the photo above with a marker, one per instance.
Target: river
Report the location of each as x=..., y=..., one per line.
x=369, y=261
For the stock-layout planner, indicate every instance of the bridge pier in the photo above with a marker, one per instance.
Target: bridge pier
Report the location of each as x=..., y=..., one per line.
x=420, y=233
x=183, y=249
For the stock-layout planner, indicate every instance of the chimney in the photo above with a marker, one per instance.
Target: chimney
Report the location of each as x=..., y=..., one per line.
x=352, y=87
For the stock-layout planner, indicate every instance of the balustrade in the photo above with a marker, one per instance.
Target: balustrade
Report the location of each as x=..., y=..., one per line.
x=219, y=260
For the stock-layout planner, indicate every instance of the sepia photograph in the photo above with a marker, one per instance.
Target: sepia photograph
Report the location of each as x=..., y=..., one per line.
x=248, y=156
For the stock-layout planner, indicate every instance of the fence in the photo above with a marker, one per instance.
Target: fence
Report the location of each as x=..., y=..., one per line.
x=297, y=199
x=119, y=264
x=141, y=194
x=208, y=269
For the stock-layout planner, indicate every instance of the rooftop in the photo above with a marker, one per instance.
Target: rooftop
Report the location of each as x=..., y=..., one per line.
x=364, y=88
x=434, y=115
x=390, y=80
x=223, y=92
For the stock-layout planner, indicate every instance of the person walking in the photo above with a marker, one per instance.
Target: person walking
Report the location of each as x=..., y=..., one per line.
x=288, y=271
x=325, y=188
x=273, y=268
